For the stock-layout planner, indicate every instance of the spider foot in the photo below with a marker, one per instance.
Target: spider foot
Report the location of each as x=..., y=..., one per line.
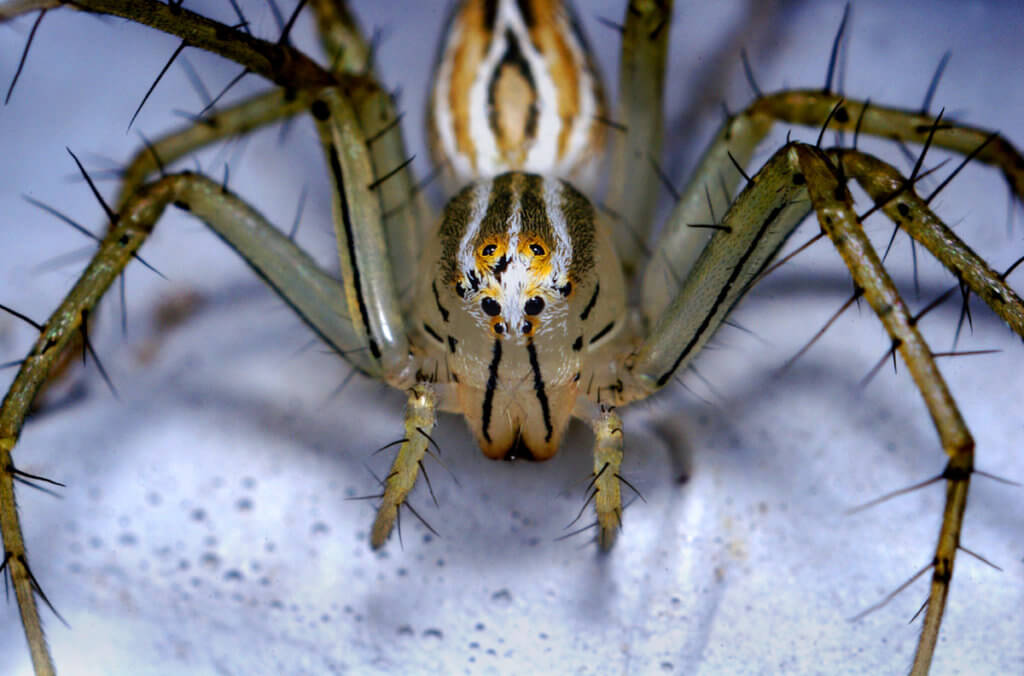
x=607, y=462
x=419, y=421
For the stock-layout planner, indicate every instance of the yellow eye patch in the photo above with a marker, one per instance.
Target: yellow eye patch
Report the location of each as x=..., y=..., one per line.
x=537, y=253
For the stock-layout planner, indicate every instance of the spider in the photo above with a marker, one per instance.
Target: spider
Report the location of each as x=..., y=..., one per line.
x=385, y=588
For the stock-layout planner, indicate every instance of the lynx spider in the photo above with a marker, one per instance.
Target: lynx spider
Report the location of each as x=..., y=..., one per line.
x=892, y=575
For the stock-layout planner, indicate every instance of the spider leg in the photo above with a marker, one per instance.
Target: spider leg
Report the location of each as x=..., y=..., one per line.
x=680, y=252
x=605, y=484
x=277, y=62
x=369, y=286
x=420, y=415
x=342, y=40
x=636, y=145
x=241, y=118
x=15, y=556
x=890, y=190
x=708, y=193
x=812, y=108
x=774, y=201
x=362, y=242
x=832, y=202
x=348, y=53
x=713, y=183
x=403, y=210
x=374, y=201
x=314, y=294
x=757, y=224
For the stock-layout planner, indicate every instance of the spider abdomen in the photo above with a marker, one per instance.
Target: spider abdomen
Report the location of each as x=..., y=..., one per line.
x=515, y=88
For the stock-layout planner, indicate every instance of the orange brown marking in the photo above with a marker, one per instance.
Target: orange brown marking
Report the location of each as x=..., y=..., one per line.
x=515, y=102
x=475, y=37
x=548, y=35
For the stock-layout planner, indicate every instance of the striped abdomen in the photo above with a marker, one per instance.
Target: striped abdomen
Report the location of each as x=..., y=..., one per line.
x=515, y=89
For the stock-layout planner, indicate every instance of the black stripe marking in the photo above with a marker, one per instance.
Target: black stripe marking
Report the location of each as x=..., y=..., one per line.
x=723, y=294
x=492, y=384
x=452, y=342
x=538, y=386
x=346, y=219
x=527, y=13
x=600, y=334
x=577, y=344
x=499, y=268
x=437, y=299
x=490, y=14
x=591, y=302
x=513, y=57
x=433, y=333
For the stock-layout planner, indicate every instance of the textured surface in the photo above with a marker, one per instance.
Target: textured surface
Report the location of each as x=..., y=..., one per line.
x=205, y=529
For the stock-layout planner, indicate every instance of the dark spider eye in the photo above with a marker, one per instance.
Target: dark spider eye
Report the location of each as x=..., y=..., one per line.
x=499, y=328
x=566, y=290
x=537, y=249
x=527, y=327
x=534, y=306
x=491, y=306
x=489, y=250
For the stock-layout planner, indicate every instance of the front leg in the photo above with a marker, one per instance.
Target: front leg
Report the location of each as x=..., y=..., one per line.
x=607, y=494
x=420, y=415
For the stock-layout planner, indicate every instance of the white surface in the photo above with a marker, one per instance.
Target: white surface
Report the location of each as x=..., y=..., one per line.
x=205, y=529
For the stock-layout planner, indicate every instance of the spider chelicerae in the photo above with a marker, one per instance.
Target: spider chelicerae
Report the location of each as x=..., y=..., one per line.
x=518, y=483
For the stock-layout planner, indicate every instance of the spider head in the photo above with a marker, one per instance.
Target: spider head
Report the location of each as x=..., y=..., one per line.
x=515, y=277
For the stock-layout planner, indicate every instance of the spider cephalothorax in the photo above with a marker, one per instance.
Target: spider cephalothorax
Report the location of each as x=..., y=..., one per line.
x=523, y=277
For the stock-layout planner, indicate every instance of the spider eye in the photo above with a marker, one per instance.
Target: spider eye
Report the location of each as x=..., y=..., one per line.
x=491, y=306
x=488, y=250
x=537, y=249
x=534, y=306
x=499, y=328
x=527, y=327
